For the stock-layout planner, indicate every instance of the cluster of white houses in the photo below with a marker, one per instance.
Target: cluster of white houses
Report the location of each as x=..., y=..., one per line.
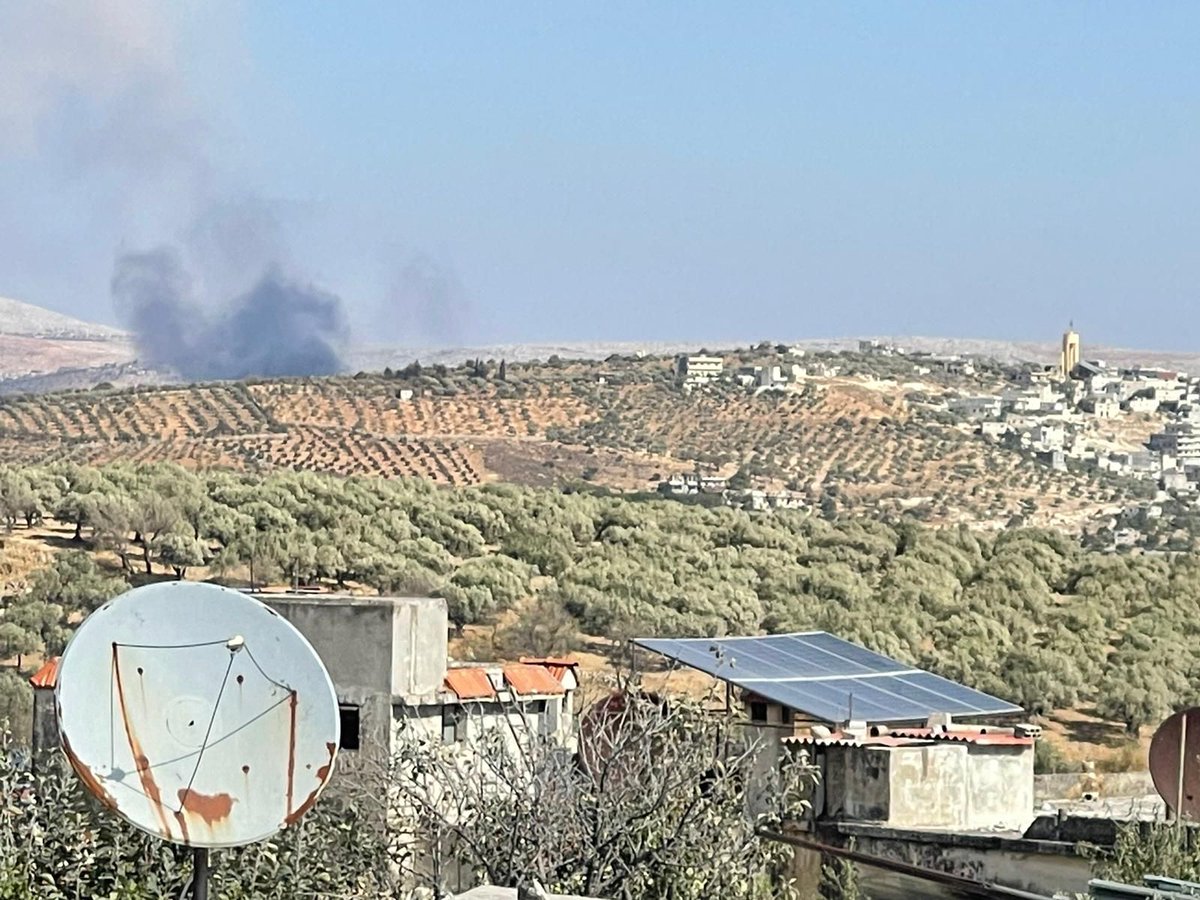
x=1060, y=413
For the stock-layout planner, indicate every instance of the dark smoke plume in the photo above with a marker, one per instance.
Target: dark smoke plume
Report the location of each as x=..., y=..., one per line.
x=278, y=328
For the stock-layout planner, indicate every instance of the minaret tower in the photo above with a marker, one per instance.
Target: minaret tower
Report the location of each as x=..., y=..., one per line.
x=1070, y=352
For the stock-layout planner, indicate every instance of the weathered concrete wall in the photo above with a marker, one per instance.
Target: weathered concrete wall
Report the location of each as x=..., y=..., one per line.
x=865, y=774
x=1001, y=787
x=353, y=637
x=390, y=645
x=375, y=649
x=929, y=786
x=937, y=785
x=419, y=647
x=768, y=740
x=1072, y=785
x=1008, y=862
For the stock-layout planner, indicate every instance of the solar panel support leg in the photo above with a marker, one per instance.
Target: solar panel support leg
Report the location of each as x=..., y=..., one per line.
x=200, y=873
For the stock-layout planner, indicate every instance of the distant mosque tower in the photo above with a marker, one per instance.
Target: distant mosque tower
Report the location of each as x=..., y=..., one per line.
x=1070, y=352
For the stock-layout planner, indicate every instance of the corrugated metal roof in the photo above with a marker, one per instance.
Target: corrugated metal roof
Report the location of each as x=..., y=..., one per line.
x=910, y=737
x=470, y=683
x=558, y=666
x=47, y=675
x=982, y=736
x=474, y=682
x=527, y=679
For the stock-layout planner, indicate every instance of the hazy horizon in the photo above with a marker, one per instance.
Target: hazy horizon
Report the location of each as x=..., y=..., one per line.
x=470, y=175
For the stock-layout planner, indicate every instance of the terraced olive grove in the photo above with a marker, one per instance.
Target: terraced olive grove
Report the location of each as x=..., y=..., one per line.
x=866, y=442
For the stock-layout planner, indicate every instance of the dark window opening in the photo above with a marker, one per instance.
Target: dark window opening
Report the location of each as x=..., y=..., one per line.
x=348, y=719
x=536, y=706
x=786, y=715
x=453, y=724
x=758, y=712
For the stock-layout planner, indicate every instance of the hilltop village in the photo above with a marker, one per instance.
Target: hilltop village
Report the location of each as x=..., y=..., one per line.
x=1133, y=422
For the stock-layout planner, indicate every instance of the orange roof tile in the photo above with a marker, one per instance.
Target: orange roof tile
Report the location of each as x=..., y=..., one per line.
x=548, y=661
x=558, y=666
x=470, y=683
x=47, y=675
x=527, y=679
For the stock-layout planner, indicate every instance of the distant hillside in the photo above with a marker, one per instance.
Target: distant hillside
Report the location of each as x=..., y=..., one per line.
x=374, y=357
x=867, y=441
x=34, y=321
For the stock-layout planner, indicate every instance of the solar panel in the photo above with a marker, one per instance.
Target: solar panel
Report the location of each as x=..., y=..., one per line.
x=828, y=678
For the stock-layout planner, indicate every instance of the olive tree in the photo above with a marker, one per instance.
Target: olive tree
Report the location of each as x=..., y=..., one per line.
x=659, y=803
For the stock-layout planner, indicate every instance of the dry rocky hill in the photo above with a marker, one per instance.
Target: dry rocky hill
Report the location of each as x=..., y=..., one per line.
x=17, y=318
x=35, y=342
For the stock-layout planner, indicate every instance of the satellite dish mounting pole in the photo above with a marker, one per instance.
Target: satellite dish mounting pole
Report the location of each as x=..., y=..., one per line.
x=1183, y=730
x=200, y=870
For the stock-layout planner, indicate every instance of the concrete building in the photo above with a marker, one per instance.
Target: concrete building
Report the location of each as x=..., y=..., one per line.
x=770, y=377
x=994, y=430
x=1069, y=357
x=1143, y=404
x=698, y=370
x=45, y=718
x=975, y=407
x=387, y=657
x=1036, y=375
x=388, y=660
x=879, y=348
x=1180, y=440
x=1055, y=459
x=952, y=777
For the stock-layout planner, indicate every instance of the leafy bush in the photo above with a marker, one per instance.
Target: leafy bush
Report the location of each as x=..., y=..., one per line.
x=56, y=843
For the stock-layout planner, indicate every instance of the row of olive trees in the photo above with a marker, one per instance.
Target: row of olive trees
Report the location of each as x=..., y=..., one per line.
x=1025, y=613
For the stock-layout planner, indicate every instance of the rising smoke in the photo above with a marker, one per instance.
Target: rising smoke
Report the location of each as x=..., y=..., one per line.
x=277, y=328
x=426, y=300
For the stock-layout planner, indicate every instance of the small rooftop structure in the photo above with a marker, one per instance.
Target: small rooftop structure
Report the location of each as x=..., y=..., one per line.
x=939, y=776
x=44, y=737
x=829, y=679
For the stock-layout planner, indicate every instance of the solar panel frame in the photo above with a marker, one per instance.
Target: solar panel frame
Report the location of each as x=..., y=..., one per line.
x=829, y=678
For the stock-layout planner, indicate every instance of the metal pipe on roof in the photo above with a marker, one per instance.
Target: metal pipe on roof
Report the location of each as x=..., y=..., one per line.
x=969, y=886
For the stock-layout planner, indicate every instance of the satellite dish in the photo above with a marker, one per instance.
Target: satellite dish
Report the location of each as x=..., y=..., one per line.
x=197, y=714
x=1175, y=763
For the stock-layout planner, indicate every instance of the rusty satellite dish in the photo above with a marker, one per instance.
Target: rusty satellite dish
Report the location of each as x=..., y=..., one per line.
x=1175, y=763
x=197, y=713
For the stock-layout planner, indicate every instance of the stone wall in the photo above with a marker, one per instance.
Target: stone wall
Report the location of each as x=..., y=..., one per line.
x=1073, y=785
x=1027, y=865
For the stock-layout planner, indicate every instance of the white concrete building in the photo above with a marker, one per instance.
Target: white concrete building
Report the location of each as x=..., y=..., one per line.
x=1179, y=439
x=698, y=370
x=951, y=777
x=975, y=407
x=388, y=658
x=1143, y=404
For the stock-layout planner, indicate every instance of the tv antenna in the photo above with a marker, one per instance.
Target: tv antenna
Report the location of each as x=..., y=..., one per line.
x=198, y=715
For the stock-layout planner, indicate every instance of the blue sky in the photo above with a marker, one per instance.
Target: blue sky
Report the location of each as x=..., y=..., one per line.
x=464, y=173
